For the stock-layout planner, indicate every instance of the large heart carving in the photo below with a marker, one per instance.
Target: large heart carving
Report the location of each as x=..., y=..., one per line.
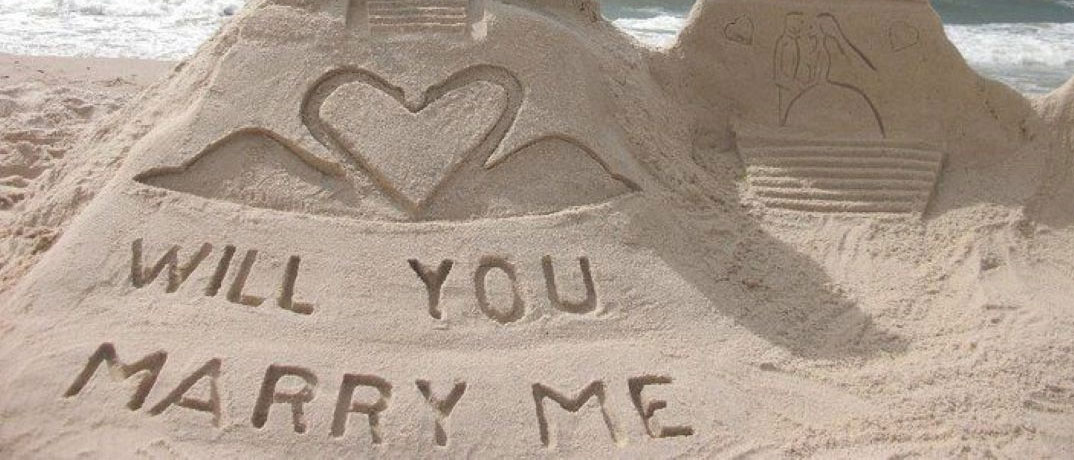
x=412, y=148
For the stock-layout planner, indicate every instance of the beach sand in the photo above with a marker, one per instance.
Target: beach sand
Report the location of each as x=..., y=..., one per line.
x=46, y=105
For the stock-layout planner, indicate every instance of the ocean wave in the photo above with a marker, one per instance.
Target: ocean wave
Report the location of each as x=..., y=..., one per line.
x=1034, y=58
x=1004, y=11
x=1040, y=44
x=1034, y=53
x=996, y=45
x=660, y=30
x=122, y=8
x=150, y=29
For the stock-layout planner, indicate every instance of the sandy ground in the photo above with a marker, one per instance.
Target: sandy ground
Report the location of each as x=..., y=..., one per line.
x=46, y=105
x=47, y=102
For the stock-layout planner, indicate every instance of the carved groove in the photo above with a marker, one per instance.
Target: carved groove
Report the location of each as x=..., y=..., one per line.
x=454, y=177
x=169, y=263
x=588, y=305
x=518, y=306
x=235, y=294
x=798, y=73
x=647, y=409
x=842, y=195
x=858, y=150
x=859, y=161
x=418, y=16
x=572, y=405
x=443, y=407
x=345, y=404
x=296, y=399
x=819, y=172
x=221, y=271
x=903, y=185
x=106, y=353
x=846, y=177
x=822, y=206
x=1052, y=399
x=335, y=80
x=434, y=283
x=177, y=397
x=287, y=295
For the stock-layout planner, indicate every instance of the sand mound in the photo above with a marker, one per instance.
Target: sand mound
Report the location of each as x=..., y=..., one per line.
x=45, y=110
x=490, y=228
x=1058, y=108
x=1057, y=190
x=829, y=85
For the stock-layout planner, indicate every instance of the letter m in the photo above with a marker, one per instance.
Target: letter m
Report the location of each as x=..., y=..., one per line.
x=168, y=263
x=571, y=404
x=106, y=353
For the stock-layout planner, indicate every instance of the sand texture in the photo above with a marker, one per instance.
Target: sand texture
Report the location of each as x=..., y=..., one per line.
x=1058, y=109
x=466, y=228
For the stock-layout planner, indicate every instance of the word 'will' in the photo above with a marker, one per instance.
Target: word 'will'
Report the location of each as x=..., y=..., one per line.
x=364, y=395
x=176, y=273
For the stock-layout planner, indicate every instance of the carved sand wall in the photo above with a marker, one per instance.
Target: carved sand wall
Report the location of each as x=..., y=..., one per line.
x=480, y=228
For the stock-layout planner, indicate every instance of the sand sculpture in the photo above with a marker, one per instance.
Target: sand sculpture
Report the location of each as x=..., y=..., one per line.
x=1058, y=108
x=480, y=228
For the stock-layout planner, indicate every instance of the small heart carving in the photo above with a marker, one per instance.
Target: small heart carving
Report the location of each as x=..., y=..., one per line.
x=740, y=31
x=410, y=148
x=903, y=35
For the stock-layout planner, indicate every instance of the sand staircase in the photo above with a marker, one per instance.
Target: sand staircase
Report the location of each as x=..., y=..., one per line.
x=418, y=16
x=841, y=177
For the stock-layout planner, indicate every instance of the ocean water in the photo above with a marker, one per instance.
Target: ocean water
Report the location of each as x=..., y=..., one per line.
x=1028, y=44
x=150, y=29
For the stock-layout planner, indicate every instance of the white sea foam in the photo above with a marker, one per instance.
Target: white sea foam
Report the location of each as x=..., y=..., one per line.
x=152, y=29
x=123, y=8
x=659, y=30
x=1016, y=44
x=1034, y=58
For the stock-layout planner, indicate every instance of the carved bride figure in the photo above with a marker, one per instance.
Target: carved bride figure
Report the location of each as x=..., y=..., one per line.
x=816, y=66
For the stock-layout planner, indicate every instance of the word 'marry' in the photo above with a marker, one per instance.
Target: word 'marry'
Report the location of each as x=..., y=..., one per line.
x=177, y=273
x=371, y=403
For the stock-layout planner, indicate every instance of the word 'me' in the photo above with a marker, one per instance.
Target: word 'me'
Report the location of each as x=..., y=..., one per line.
x=364, y=395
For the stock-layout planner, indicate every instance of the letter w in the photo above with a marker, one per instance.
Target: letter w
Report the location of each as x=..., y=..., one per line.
x=170, y=261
